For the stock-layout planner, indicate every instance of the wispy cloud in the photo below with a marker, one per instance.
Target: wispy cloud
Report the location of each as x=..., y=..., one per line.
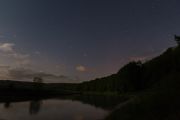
x=7, y=47
x=81, y=68
x=8, y=50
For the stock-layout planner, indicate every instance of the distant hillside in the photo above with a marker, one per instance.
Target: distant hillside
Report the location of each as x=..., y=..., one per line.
x=137, y=76
x=160, y=96
x=153, y=88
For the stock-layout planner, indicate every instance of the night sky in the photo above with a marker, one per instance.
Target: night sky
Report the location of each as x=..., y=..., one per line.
x=82, y=39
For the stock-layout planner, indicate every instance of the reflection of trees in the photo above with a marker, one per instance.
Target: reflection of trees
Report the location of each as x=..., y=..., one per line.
x=35, y=106
x=7, y=105
x=102, y=101
x=106, y=102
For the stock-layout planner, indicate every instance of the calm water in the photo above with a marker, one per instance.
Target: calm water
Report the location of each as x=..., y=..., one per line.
x=80, y=108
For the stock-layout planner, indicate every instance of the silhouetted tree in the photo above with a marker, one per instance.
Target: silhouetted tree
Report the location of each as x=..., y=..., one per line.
x=37, y=79
x=177, y=39
x=131, y=75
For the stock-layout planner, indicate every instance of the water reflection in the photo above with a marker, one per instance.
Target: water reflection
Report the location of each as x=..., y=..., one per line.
x=35, y=106
x=59, y=108
x=7, y=105
x=100, y=101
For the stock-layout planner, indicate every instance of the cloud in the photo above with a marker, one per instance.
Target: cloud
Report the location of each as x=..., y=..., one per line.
x=6, y=47
x=8, y=50
x=81, y=68
x=14, y=66
x=21, y=59
x=37, y=52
